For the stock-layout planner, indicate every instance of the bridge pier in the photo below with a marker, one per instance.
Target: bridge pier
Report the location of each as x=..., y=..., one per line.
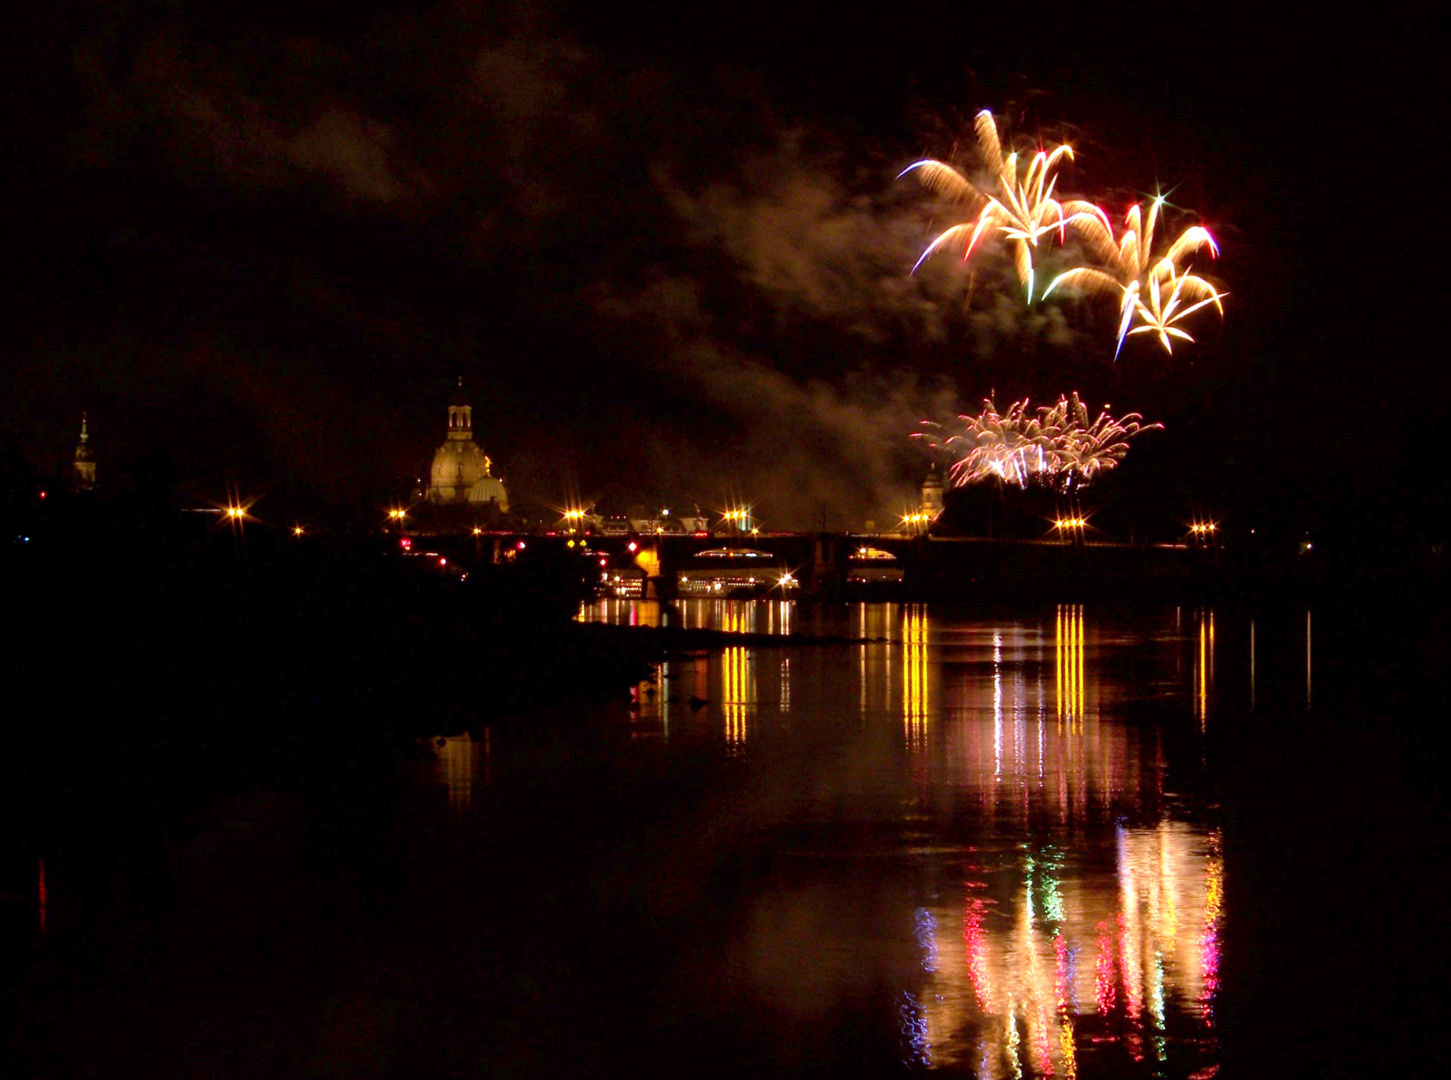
x=828, y=566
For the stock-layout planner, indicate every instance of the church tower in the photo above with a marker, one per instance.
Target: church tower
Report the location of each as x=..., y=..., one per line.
x=462, y=475
x=460, y=415
x=83, y=467
x=932, y=494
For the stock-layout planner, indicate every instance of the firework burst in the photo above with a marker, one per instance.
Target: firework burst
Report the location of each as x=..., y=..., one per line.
x=1154, y=293
x=1021, y=212
x=1056, y=446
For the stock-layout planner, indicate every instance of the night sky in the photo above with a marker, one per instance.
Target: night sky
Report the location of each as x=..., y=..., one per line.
x=668, y=254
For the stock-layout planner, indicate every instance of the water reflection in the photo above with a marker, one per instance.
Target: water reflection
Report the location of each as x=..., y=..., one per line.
x=650, y=701
x=1046, y=959
x=738, y=693
x=915, y=695
x=458, y=764
x=616, y=612
x=776, y=617
x=1252, y=677
x=1308, y=665
x=978, y=844
x=1072, y=696
x=1203, y=665
x=1064, y=913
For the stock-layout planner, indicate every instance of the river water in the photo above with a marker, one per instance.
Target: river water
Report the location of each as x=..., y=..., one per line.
x=1000, y=845
x=991, y=840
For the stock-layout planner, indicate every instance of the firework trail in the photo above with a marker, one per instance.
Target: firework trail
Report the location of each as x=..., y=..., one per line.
x=1055, y=446
x=1153, y=292
x=1022, y=212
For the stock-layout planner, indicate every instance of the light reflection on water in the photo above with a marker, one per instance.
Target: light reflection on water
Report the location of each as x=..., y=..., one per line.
x=459, y=765
x=1036, y=963
x=1072, y=926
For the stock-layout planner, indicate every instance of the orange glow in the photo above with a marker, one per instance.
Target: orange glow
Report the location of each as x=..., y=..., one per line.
x=915, y=699
x=1204, y=666
x=1069, y=656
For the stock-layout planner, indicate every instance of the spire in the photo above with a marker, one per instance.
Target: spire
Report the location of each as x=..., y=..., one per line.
x=83, y=468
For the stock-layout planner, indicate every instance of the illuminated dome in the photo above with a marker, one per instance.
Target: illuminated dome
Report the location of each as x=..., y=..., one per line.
x=462, y=473
x=489, y=489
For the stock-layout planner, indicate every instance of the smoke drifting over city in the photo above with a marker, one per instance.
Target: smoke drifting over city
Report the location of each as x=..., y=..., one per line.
x=666, y=281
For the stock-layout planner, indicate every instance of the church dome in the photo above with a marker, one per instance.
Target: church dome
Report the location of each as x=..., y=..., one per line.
x=461, y=470
x=457, y=466
x=489, y=489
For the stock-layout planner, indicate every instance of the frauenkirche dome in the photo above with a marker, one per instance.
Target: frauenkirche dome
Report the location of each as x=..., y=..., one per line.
x=462, y=473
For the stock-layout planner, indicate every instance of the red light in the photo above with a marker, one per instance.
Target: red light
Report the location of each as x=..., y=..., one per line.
x=634, y=546
x=603, y=561
x=405, y=543
x=42, y=494
x=520, y=545
x=442, y=562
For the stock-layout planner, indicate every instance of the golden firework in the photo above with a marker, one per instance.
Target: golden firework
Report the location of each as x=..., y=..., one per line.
x=1022, y=211
x=1153, y=291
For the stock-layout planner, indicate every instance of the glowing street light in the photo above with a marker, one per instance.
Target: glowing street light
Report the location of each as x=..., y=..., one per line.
x=1203, y=531
x=917, y=522
x=575, y=518
x=235, y=513
x=740, y=517
x=1071, y=528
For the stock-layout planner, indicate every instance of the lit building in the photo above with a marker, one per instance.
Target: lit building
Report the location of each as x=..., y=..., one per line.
x=932, y=494
x=83, y=468
x=462, y=474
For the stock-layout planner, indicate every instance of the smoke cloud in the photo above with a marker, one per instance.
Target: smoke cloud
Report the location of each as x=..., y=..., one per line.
x=742, y=278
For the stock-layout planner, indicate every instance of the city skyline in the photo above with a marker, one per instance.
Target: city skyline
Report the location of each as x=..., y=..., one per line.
x=675, y=260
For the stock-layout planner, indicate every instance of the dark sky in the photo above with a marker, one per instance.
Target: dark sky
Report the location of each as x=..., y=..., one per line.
x=668, y=253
